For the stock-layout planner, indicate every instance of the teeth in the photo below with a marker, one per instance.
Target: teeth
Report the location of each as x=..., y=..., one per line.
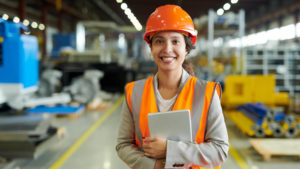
x=167, y=59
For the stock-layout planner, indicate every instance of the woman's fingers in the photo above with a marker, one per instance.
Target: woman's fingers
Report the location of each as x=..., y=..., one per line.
x=154, y=147
x=149, y=139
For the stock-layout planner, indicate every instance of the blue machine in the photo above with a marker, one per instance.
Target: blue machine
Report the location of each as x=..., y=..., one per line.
x=60, y=41
x=18, y=61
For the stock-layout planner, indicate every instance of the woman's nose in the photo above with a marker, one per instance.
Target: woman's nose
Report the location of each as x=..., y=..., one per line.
x=168, y=47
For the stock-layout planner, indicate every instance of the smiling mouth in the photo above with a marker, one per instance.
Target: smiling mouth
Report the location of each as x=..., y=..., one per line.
x=167, y=59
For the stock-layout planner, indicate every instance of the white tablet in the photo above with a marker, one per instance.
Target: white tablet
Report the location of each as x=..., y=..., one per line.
x=172, y=125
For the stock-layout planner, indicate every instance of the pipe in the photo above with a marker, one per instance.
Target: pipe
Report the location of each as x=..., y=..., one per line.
x=277, y=130
x=259, y=131
x=291, y=132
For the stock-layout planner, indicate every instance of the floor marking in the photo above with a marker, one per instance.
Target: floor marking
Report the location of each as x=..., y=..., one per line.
x=82, y=139
x=240, y=161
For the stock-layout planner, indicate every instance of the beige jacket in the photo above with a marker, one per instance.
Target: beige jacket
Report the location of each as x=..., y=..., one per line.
x=209, y=154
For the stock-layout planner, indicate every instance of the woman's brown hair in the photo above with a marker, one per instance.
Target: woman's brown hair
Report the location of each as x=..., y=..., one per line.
x=188, y=65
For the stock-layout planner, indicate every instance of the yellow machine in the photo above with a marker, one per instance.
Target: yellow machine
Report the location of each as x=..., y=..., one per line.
x=241, y=89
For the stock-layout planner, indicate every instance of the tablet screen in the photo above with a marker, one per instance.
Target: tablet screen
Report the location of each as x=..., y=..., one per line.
x=172, y=125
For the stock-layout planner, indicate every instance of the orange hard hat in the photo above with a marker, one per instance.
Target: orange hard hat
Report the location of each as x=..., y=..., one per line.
x=170, y=18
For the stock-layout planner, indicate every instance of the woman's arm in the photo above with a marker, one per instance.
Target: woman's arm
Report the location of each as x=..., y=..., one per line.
x=212, y=152
x=126, y=147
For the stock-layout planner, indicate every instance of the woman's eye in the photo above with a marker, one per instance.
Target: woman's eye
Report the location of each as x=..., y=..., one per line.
x=158, y=41
x=176, y=41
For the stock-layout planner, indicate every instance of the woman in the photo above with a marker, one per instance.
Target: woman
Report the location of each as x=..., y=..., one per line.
x=170, y=34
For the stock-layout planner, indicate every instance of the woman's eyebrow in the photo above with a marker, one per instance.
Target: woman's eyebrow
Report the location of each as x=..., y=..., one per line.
x=175, y=36
x=160, y=37
x=172, y=37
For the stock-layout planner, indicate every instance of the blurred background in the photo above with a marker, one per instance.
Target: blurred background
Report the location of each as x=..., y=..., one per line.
x=64, y=65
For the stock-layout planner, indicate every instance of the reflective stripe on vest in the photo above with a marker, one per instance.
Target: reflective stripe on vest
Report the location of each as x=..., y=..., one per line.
x=141, y=100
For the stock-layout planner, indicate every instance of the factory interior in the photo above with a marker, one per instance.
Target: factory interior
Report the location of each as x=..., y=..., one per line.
x=64, y=65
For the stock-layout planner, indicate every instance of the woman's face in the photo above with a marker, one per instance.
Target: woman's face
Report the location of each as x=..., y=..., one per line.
x=168, y=49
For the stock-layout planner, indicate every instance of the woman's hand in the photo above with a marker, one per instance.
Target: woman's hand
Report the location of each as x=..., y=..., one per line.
x=155, y=147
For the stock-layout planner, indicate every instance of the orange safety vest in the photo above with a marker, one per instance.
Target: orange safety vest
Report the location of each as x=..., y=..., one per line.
x=141, y=100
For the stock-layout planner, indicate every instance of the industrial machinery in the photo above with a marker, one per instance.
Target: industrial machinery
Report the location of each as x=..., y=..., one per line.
x=19, y=76
x=62, y=43
x=85, y=88
x=257, y=106
x=22, y=135
x=82, y=89
x=18, y=62
x=260, y=121
x=49, y=82
x=99, y=46
x=242, y=89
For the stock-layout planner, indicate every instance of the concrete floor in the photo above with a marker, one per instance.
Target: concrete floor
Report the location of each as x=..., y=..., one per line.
x=98, y=150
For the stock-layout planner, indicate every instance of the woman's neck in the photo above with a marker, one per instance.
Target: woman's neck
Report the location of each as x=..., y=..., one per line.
x=170, y=79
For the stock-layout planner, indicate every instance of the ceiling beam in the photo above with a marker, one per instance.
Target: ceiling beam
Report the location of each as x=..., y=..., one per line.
x=69, y=10
x=276, y=14
x=109, y=11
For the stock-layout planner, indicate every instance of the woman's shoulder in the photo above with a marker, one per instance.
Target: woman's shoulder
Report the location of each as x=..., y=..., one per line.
x=204, y=83
x=200, y=81
x=136, y=82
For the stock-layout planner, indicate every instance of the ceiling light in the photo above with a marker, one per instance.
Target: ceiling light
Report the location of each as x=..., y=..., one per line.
x=16, y=19
x=127, y=11
x=234, y=1
x=41, y=26
x=139, y=27
x=124, y=6
x=220, y=11
x=26, y=22
x=34, y=25
x=130, y=16
x=5, y=16
x=226, y=6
